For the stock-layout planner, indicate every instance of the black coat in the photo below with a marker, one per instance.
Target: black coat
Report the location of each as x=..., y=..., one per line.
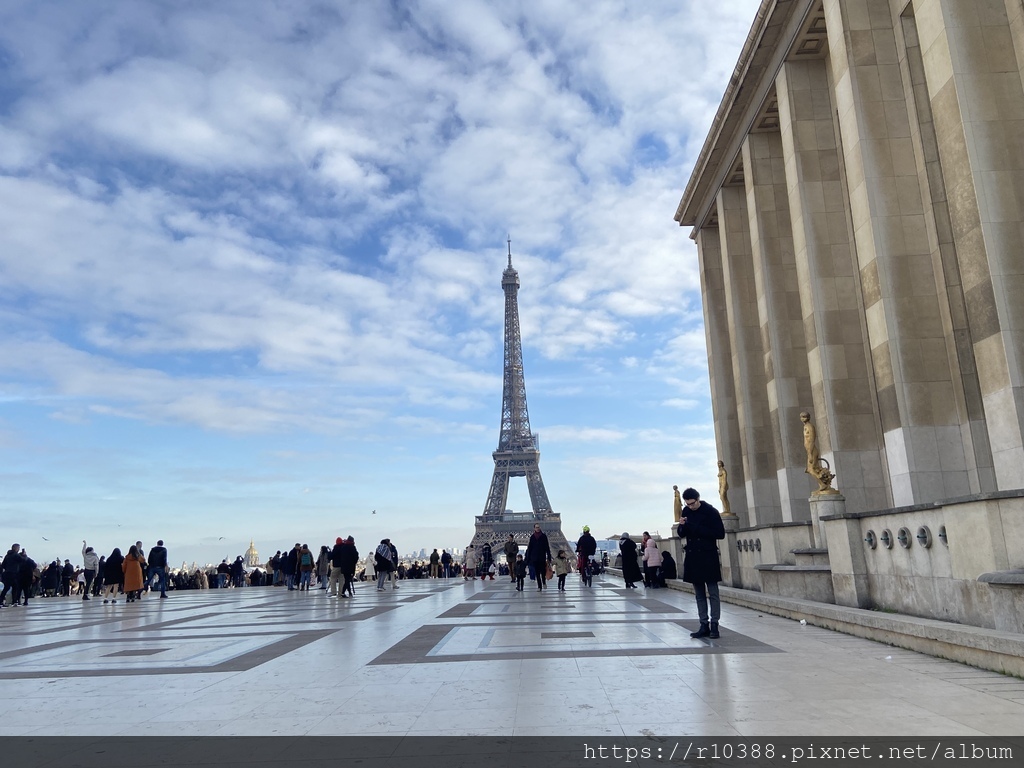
x=347, y=559
x=586, y=545
x=630, y=567
x=538, y=551
x=112, y=571
x=11, y=565
x=703, y=529
x=668, y=566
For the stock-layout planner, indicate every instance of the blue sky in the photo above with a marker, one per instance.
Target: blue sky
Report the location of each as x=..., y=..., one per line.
x=251, y=255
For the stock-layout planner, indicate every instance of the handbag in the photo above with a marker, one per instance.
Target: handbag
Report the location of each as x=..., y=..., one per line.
x=549, y=573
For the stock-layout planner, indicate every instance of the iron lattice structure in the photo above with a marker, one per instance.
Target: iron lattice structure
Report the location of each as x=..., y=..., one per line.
x=518, y=453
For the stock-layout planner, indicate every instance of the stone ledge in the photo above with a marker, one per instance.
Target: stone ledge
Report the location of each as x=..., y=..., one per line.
x=1012, y=578
x=992, y=649
x=787, y=567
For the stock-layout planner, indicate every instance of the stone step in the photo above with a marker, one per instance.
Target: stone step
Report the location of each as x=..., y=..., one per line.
x=810, y=556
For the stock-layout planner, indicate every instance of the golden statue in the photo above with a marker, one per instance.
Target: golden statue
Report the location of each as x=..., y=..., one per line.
x=677, y=505
x=817, y=467
x=723, y=488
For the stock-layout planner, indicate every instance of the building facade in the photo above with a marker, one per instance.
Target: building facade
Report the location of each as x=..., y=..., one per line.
x=858, y=210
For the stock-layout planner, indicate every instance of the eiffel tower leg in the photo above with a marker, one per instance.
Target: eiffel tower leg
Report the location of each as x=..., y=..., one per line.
x=538, y=496
x=498, y=496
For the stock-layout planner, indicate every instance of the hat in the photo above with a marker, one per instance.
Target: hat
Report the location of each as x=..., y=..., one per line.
x=624, y=535
x=586, y=529
x=338, y=540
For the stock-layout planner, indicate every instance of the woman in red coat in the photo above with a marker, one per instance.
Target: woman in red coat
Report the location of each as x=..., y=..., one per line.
x=132, y=567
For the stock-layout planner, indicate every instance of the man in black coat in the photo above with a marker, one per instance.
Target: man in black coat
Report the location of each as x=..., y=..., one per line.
x=9, y=574
x=157, y=562
x=348, y=559
x=538, y=555
x=586, y=548
x=702, y=527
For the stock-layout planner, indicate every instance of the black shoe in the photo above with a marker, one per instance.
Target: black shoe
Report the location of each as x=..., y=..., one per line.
x=704, y=631
x=714, y=631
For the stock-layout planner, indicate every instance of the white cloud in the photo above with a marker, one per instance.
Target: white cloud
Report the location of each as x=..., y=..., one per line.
x=290, y=217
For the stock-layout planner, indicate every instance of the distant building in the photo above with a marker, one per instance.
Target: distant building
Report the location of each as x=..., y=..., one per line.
x=252, y=557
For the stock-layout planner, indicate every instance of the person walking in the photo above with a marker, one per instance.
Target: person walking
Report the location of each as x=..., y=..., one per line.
x=435, y=564
x=394, y=573
x=586, y=548
x=702, y=528
x=91, y=564
x=133, y=579
x=26, y=575
x=469, y=564
x=323, y=566
x=158, y=566
x=511, y=550
x=486, y=558
x=446, y=563
x=562, y=568
x=630, y=567
x=290, y=566
x=349, y=559
x=538, y=555
x=9, y=575
x=334, y=575
x=382, y=562
x=113, y=575
x=306, y=563
x=519, y=572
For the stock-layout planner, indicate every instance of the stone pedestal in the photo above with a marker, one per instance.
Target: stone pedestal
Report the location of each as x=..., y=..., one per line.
x=842, y=537
x=730, y=561
x=822, y=506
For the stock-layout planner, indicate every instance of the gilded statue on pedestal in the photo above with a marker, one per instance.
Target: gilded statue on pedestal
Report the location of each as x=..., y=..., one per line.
x=817, y=467
x=723, y=488
x=677, y=505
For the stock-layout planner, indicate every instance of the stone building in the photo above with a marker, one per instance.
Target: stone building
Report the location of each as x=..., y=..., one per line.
x=858, y=210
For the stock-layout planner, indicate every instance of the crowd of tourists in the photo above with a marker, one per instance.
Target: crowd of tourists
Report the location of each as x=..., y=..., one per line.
x=335, y=570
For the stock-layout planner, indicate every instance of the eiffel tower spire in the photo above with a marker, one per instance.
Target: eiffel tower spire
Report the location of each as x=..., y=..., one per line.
x=518, y=453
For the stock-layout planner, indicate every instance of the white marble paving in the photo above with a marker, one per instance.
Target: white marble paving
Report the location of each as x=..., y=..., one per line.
x=801, y=681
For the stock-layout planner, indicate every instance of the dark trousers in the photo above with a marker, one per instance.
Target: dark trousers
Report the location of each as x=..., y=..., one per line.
x=705, y=593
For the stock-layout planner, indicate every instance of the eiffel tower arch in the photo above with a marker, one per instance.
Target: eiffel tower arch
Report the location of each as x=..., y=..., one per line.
x=518, y=453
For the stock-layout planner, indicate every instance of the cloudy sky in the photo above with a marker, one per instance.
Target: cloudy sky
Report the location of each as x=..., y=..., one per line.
x=251, y=255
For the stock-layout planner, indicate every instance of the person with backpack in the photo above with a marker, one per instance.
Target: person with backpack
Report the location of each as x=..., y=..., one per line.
x=382, y=562
x=306, y=563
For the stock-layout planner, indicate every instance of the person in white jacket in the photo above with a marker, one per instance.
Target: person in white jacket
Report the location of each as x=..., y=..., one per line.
x=91, y=565
x=469, y=564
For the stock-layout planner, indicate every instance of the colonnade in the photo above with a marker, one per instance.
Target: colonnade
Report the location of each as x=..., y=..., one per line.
x=858, y=211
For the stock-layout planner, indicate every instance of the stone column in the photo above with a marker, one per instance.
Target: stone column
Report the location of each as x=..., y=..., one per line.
x=842, y=388
x=972, y=68
x=723, y=386
x=846, y=557
x=956, y=319
x=778, y=302
x=756, y=439
x=911, y=363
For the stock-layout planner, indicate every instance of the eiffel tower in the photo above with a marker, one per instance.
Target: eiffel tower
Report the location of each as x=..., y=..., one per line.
x=518, y=453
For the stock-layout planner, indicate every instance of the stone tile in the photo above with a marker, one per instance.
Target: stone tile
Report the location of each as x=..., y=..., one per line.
x=766, y=665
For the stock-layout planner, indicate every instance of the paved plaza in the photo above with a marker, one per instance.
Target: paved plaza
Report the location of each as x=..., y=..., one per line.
x=469, y=658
